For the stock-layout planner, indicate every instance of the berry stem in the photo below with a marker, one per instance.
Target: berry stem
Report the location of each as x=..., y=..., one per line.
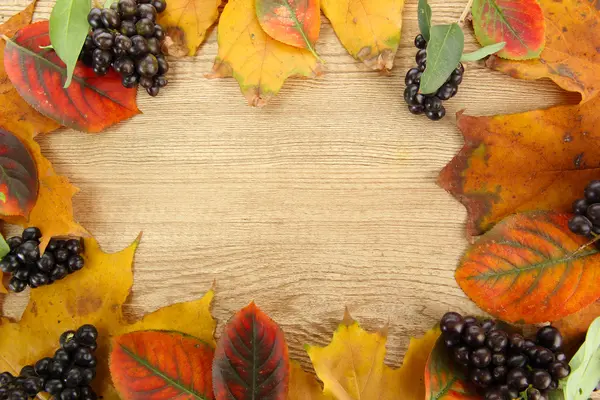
x=463, y=17
x=585, y=246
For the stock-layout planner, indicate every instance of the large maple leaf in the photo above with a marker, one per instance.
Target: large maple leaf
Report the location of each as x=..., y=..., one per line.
x=538, y=160
x=94, y=295
x=571, y=57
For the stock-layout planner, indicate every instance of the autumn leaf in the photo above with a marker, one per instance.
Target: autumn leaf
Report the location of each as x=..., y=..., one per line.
x=570, y=57
x=574, y=327
x=352, y=367
x=369, y=30
x=293, y=22
x=412, y=373
x=15, y=114
x=93, y=295
x=531, y=268
x=539, y=160
x=443, y=379
x=161, y=365
x=259, y=63
x=90, y=104
x=18, y=177
x=251, y=359
x=186, y=21
x=304, y=386
x=520, y=24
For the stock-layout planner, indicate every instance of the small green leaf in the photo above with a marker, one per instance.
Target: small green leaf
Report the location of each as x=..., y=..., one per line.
x=444, y=50
x=483, y=52
x=4, y=249
x=585, y=366
x=109, y=3
x=424, y=18
x=68, y=29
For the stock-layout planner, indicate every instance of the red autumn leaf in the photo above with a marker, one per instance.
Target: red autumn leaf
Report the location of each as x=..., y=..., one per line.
x=520, y=24
x=18, y=177
x=251, y=360
x=90, y=104
x=530, y=268
x=443, y=379
x=160, y=365
x=293, y=22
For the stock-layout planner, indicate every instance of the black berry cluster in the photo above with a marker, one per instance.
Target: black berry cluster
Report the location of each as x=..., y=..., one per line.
x=127, y=37
x=28, y=268
x=429, y=104
x=66, y=376
x=503, y=365
x=586, y=221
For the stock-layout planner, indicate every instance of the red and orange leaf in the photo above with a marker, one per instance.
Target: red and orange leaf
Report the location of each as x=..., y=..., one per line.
x=251, y=360
x=539, y=160
x=443, y=379
x=571, y=57
x=18, y=177
x=530, y=268
x=574, y=327
x=293, y=22
x=90, y=104
x=518, y=23
x=160, y=365
x=15, y=114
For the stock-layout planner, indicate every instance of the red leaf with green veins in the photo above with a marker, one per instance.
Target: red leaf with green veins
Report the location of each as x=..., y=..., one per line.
x=519, y=23
x=443, y=379
x=293, y=22
x=18, y=177
x=251, y=360
x=159, y=365
x=90, y=104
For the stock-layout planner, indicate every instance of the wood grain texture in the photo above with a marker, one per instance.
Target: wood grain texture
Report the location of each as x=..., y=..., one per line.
x=326, y=198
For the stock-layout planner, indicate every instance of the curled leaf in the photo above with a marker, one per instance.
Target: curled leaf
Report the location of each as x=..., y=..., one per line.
x=483, y=52
x=90, y=104
x=161, y=365
x=518, y=23
x=530, y=268
x=251, y=360
x=293, y=22
x=444, y=50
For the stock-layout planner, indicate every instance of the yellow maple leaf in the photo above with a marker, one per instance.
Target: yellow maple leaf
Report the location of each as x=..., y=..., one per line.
x=368, y=29
x=186, y=21
x=352, y=365
x=304, y=386
x=413, y=368
x=93, y=295
x=258, y=62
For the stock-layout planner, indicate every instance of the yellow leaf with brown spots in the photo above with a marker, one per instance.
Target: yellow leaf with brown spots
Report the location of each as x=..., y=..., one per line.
x=352, y=365
x=93, y=295
x=15, y=114
x=571, y=57
x=186, y=22
x=258, y=62
x=368, y=29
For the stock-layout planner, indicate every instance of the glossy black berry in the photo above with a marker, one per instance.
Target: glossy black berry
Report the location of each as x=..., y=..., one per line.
x=446, y=91
x=57, y=368
x=160, y=5
x=498, y=358
x=61, y=255
x=593, y=213
x=559, y=370
x=550, y=337
x=517, y=379
x=509, y=393
x=127, y=8
x=562, y=357
x=110, y=19
x=580, y=225
x=87, y=334
x=42, y=367
x=87, y=393
x=160, y=81
x=54, y=386
x=62, y=356
x=14, y=242
x=436, y=115
x=140, y=46
x=473, y=336
x=59, y=272
x=17, y=285
x=540, y=379
x=580, y=207
x=409, y=94
x=413, y=76
x=516, y=361
x=83, y=356
x=145, y=27
x=421, y=57
x=494, y=394
x=94, y=18
x=70, y=394
x=154, y=46
x=73, y=377
x=147, y=66
x=22, y=273
x=130, y=81
x=481, y=377
x=29, y=251
x=453, y=327
x=592, y=192
x=499, y=373
x=497, y=341
x=534, y=394
x=128, y=28
x=124, y=43
x=104, y=40
x=420, y=42
x=38, y=279
x=102, y=58
x=33, y=385
x=18, y=394
x=416, y=110
x=543, y=357
x=163, y=64
x=10, y=263
x=159, y=33
x=153, y=91
x=455, y=79
x=46, y=262
x=481, y=357
x=75, y=263
x=147, y=11
x=146, y=82
x=124, y=66
x=461, y=355
x=32, y=233
x=6, y=378
x=433, y=103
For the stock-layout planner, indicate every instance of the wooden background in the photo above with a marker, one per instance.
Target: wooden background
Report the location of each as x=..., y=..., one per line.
x=326, y=198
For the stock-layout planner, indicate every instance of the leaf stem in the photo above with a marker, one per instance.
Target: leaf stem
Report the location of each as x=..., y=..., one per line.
x=465, y=13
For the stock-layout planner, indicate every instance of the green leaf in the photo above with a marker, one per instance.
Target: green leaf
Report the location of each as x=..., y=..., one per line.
x=68, y=28
x=483, y=52
x=444, y=50
x=585, y=366
x=109, y=3
x=424, y=18
x=4, y=249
